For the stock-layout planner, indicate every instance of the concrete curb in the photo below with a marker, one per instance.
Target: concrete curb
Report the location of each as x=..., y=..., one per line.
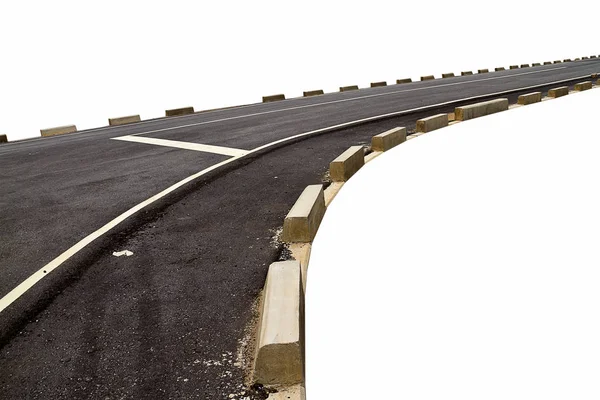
x=557, y=62
x=124, y=120
x=427, y=78
x=313, y=93
x=378, y=84
x=558, y=92
x=499, y=69
x=448, y=75
x=529, y=98
x=279, y=351
x=405, y=80
x=303, y=220
x=464, y=73
x=483, y=71
x=480, y=109
x=581, y=86
x=432, y=123
x=536, y=64
x=3, y=139
x=524, y=65
x=279, y=357
x=348, y=88
x=274, y=97
x=347, y=164
x=547, y=62
x=179, y=111
x=388, y=139
x=59, y=130
x=514, y=67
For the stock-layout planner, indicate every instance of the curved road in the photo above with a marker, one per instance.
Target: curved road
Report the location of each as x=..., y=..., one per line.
x=170, y=321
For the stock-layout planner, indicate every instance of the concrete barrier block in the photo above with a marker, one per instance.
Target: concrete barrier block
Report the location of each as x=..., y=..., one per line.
x=524, y=65
x=124, y=120
x=378, y=84
x=406, y=80
x=547, y=62
x=466, y=73
x=279, y=354
x=577, y=59
x=59, y=130
x=592, y=56
x=427, y=78
x=348, y=88
x=274, y=97
x=432, y=123
x=313, y=93
x=536, y=64
x=584, y=58
x=530, y=98
x=3, y=139
x=480, y=109
x=179, y=111
x=303, y=220
x=448, y=75
x=514, y=67
x=483, y=71
x=558, y=92
x=346, y=164
x=566, y=60
x=499, y=69
x=388, y=139
x=557, y=62
x=581, y=86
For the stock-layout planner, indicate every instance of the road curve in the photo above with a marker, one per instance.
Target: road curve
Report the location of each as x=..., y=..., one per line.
x=168, y=320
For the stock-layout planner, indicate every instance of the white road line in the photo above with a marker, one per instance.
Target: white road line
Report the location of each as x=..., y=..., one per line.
x=226, y=151
x=343, y=101
x=37, y=276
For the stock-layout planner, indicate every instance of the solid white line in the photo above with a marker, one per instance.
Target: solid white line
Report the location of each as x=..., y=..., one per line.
x=226, y=151
x=343, y=101
x=24, y=286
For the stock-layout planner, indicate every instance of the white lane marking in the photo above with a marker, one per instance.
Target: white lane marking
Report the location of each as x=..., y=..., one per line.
x=343, y=101
x=226, y=151
x=37, y=276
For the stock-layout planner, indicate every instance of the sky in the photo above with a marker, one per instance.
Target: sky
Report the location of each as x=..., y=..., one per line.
x=73, y=62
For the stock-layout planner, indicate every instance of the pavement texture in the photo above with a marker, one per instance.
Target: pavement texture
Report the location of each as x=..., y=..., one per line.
x=175, y=319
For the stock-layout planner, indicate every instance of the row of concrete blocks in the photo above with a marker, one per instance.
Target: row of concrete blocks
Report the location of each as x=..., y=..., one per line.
x=279, y=350
x=279, y=97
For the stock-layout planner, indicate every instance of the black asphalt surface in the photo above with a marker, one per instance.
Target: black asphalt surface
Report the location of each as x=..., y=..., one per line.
x=168, y=322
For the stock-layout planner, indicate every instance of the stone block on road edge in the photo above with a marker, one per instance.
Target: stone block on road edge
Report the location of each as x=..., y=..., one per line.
x=480, y=109
x=558, y=92
x=59, y=130
x=275, y=97
x=279, y=353
x=303, y=220
x=432, y=123
x=581, y=86
x=530, y=98
x=388, y=139
x=179, y=111
x=124, y=120
x=346, y=164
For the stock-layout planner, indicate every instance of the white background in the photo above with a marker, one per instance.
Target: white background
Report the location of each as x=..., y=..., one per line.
x=464, y=264
x=74, y=62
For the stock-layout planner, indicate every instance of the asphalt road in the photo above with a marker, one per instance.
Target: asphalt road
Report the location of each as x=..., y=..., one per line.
x=170, y=320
